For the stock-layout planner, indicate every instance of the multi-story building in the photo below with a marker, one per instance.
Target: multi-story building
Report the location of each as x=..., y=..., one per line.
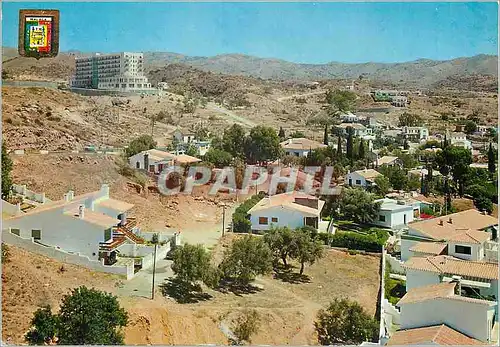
x=415, y=133
x=119, y=71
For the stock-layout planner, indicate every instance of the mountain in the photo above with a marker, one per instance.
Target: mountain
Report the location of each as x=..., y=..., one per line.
x=418, y=73
x=422, y=72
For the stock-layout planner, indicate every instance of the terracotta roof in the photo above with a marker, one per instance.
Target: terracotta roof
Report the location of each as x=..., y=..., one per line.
x=445, y=264
x=94, y=217
x=435, y=248
x=301, y=143
x=434, y=291
x=462, y=222
x=368, y=173
x=287, y=200
x=386, y=159
x=471, y=236
x=186, y=159
x=158, y=155
x=114, y=204
x=439, y=334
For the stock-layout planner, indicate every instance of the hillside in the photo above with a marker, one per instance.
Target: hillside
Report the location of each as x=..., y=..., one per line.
x=421, y=73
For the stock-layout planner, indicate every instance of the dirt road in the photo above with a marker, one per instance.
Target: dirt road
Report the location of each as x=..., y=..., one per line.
x=230, y=116
x=284, y=98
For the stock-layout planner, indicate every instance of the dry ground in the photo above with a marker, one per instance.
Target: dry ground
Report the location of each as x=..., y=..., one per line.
x=286, y=311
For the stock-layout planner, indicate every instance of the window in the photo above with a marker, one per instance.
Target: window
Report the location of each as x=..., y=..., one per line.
x=107, y=235
x=381, y=218
x=274, y=220
x=137, y=165
x=463, y=249
x=358, y=181
x=36, y=234
x=263, y=220
x=16, y=232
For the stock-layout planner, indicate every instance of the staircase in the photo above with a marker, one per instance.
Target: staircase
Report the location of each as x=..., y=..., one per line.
x=126, y=230
x=118, y=240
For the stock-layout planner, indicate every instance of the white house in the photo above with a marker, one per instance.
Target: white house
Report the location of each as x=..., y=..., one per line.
x=152, y=160
x=394, y=213
x=441, y=335
x=468, y=234
x=300, y=147
x=359, y=129
x=415, y=133
x=443, y=304
x=291, y=210
x=479, y=276
x=349, y=117
x=181, y=137
x=388, y=160
x=459, y=140
x=362, y=178
x=93, y=225
x=162, y=85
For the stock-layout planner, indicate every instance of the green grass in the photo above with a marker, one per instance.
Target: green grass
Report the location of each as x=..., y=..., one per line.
x=394, y=289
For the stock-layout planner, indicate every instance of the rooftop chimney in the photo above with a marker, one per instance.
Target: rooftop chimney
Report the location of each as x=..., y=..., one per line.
x=441, y=222
x=71, y=195
x=81, y=211
x=66, y=197
x=105, y=190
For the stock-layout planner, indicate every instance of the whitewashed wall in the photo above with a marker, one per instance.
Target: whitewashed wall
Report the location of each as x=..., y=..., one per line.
x=286, y=218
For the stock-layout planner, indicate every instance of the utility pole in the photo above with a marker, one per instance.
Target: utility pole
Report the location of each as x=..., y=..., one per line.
x=154, y=270
x=223, y=218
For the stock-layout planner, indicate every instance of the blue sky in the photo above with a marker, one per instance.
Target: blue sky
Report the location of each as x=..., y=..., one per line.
x=298, y=32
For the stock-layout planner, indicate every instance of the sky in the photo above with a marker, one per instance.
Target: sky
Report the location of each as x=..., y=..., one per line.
x=299, y=32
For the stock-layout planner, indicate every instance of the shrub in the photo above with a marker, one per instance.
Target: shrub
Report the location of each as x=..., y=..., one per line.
x=241, y=224
x=246, y=325
x=371, y=243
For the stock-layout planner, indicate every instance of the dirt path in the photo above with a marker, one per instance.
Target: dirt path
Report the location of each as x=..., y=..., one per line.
x=231, y=116
x=284, y=98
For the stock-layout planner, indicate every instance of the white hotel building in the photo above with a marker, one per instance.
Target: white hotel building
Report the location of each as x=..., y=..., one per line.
x=119, y=71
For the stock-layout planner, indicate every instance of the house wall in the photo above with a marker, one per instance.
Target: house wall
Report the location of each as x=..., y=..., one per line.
x=126, y=270
x=297, y=152
x=477, y=251
x=59, y=230
x=394, y=218
x=8, y=208
x=405, y=248
x=416, y=279
x=139, y=157
x=355, y=176
x=289, y=218
x=451, y=313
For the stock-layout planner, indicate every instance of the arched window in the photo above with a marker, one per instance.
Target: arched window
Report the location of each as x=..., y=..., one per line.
x=137, y=165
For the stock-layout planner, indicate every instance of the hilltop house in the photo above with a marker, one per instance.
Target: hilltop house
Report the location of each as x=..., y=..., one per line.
x=443, y=304
x=416, y=134
x=359, y=129
x=92, y=225
x=459, y=140
x=181, y=137
x=291, y=210
x=388, y=160
x=300, y=147
x=152, y=160
x=362, y=178
x=469, y=235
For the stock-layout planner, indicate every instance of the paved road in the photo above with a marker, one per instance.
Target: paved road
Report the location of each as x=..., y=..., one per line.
x=230, y=115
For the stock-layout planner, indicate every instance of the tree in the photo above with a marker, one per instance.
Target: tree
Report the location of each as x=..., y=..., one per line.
x=248, y=257
x=345, y=322
x=483, y=203
x=338, y=170
x=406, y=145
x=340, y=101
x=350, y=143
x=339, y=147
x=281, y=134
x=397, y=176
x=409, y=120
x=455, y=160
x=156, y=118
x=491, y=160
x=297, y=135
x=470, y=127
x=139, y=144
x=86, y=317
x=219, y=158
x=191, y=150
x=279, y=241
x=262, y=144
x=233, y=140
x=304, y=249
x=191, y=263
x=325, y=135
x=358, y=205
x=43, y=327
x=383, y=185
x=361, y=150
x=6, y=170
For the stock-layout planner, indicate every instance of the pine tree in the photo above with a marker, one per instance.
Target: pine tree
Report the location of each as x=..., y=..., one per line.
x=349, y=150
x=445, y=142
x=491, y=160
x=339, y=147
x=281, y=133
x=361, y=152
x=325, y=136
x=6, y=169
x=406, y=146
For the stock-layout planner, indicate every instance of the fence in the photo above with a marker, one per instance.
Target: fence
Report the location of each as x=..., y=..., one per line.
x=383, y=331
x=22, y=190
x=396, y=264
x=126, y=270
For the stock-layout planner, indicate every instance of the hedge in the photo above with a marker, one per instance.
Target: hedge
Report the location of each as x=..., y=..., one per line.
x=345, y=239
x=241, y=224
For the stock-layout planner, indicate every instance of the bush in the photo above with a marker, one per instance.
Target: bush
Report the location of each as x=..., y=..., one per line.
x=246, y=325
x=5, y=253
x=241, y=224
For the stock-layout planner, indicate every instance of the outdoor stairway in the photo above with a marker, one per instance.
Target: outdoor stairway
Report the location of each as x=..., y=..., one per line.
x=118, y=240
x=126, y=230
